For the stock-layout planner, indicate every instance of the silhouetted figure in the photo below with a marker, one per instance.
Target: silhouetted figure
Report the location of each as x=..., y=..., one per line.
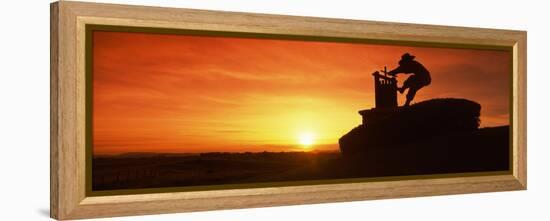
x=419, y=79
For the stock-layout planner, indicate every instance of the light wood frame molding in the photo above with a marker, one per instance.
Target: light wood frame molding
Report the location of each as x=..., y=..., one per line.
x=68, y=193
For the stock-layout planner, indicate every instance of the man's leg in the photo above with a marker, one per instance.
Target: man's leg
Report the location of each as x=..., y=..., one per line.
x=410, y=95
x=401, y=89
x=409, y=83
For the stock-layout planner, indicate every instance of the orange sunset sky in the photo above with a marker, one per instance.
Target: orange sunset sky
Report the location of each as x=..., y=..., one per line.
x=177, y=93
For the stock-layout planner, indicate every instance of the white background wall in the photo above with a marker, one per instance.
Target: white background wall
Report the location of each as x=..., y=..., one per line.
x=24, y=110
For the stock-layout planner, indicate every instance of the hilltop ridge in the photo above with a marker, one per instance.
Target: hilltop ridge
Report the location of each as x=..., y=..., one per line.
x=432, y=136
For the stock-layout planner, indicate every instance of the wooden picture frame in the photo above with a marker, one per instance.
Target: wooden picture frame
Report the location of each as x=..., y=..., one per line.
x=69, y=198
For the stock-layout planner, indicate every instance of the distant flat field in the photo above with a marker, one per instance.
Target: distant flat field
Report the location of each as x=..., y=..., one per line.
x=176, y=170
x=480, y=151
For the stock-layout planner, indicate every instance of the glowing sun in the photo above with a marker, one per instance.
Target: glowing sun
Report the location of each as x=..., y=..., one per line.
x=306, y=139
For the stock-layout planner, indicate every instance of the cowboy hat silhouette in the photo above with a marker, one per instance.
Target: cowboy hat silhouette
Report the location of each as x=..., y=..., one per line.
x=407, y=57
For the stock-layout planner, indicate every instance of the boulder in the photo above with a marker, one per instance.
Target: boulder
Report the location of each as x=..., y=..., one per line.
x=434, y=136
x=389, y=127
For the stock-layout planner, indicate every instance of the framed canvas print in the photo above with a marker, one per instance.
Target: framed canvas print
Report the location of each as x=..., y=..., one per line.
x=160, y=110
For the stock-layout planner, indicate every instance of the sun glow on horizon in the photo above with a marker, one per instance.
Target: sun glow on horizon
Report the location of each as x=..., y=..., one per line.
x=306, y=139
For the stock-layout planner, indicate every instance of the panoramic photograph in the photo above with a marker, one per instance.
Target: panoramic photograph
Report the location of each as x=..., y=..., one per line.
x=197, y=110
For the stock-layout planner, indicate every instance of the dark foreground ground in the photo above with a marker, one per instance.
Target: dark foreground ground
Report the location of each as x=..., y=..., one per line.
x=151, y=171
x=485, y=150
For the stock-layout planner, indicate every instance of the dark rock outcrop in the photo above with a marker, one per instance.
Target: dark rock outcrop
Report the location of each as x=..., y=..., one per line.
x=434, y=136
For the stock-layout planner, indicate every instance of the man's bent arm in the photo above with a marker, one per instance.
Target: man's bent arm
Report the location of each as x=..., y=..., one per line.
x=399, y=70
